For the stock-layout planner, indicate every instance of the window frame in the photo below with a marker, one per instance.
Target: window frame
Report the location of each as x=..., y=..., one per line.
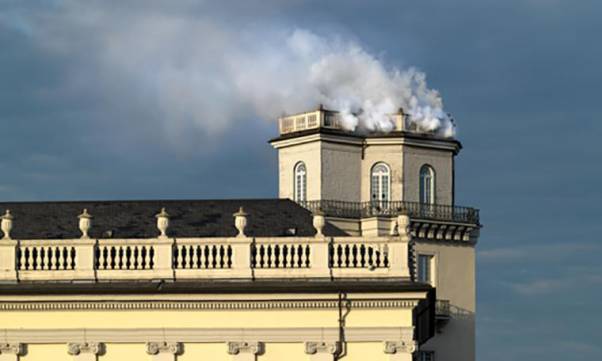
x=432, y=265
x=300, y=197
x=381, y=185
x=432, y=175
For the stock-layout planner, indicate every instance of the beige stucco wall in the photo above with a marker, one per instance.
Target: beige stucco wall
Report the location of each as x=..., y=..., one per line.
x=389, y=154
x=340, y=168
x=136, y=322
x=441, y=161
x=454, y=279
x=288, y=157
x=341, y=164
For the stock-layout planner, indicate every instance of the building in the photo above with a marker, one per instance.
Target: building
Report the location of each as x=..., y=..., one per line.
x=363, y=257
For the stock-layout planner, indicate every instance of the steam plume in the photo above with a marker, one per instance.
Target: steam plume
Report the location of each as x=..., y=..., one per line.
x=195, y=73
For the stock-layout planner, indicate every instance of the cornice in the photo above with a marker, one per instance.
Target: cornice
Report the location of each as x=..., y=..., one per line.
x=167, y=339
x=202, y=305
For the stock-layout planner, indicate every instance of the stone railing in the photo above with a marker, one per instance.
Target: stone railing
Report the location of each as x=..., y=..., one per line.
x=203, y=258
x=170, y=258
x=416, y=210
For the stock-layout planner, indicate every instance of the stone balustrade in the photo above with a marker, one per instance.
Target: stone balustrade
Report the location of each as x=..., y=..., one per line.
x=171, y=258
x=166, y=258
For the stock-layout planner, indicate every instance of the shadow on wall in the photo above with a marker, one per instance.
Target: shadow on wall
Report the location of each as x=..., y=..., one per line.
x=455, y=336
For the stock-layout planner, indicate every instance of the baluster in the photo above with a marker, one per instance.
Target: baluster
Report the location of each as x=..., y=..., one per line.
x=229, y=256
x=270, y=255
x=199, y=257
x=194, y=257
x=176, y=257
x=186, y=250
x=212, y=256
x=285, y=257
x=354, y=255
x=149, y=251
x=22, y=261
x=300, y=262
x=72, y=257
x=138, y=257
x=56, y=259
x=261, y=256
x=379, y=256
x=38, y=259
x=205, y=254
x=222, y=256
x=45, y=258
x=277, y=258
x=362, y=256
x=307, y=256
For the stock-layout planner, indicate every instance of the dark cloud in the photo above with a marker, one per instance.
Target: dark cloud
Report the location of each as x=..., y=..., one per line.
x=521, y=78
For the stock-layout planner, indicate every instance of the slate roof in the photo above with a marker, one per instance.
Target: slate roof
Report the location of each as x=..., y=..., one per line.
x=136, y=219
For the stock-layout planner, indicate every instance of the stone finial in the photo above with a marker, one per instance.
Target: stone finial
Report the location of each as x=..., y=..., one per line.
x=332, y=348
x=154, y=348
x=75, y=348
x=319, y=222
x=162, y=222
x=403, y=225
x=85, y=223
x=240, y=221
x=17, y=349
x=255, y=348
x=6, y=224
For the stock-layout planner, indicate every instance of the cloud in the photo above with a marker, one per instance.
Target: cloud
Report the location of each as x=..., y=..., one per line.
x=182, y=73
x=537, y=252
x=550, y=285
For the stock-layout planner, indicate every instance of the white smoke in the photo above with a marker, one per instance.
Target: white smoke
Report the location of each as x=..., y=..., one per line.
x=193, y=72
x=342, y=76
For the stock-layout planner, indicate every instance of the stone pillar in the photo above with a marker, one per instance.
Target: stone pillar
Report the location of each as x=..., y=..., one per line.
x=400, y=350
x=11, y=351
x=322, y=351
x=8, y=260
x=163, y=351
x=8, y=250
x=245, y=351
x=241, y=257
x=398, y=248
x=85, y=351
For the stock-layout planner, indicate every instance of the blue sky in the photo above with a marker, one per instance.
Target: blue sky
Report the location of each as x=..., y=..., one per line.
x=83, y=115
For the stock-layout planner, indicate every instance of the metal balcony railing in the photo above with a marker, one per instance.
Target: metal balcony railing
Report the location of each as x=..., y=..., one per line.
x=415, y=210
x=442, y=308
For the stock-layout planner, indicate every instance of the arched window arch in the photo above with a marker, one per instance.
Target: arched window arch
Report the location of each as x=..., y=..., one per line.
x=380, y=183
x=300, y=182
x=427, y=184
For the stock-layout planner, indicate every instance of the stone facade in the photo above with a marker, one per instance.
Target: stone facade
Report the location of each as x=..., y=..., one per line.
x=269, y=283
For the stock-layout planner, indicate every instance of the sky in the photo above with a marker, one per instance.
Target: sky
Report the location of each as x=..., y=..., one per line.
x=167, y=99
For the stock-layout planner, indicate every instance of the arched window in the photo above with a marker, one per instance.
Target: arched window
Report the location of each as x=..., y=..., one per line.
x=380, y=183
x=300, y=182
x=427, y=184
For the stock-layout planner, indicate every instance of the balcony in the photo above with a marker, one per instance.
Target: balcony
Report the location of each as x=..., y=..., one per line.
x=329, y=119
x=415, y=210
x=165, y=258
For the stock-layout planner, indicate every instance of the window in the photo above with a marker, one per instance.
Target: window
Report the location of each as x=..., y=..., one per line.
x=380, y=183
x=300, y=182
x=427, y=185
x=426, y=356
x=425, y=268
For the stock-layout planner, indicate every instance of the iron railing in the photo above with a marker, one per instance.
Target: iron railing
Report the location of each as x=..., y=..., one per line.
x=415, y=210
x=442, y=308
